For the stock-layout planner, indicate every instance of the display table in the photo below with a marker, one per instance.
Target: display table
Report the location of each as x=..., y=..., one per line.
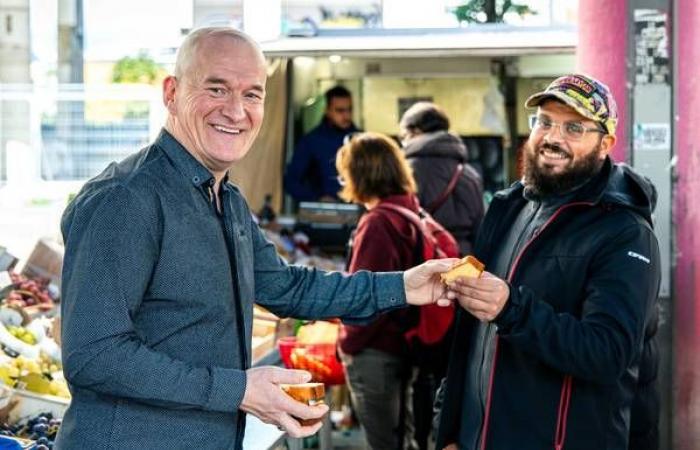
x=261, y=436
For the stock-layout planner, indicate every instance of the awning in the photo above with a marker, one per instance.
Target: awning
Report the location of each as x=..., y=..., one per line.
x=478, y=40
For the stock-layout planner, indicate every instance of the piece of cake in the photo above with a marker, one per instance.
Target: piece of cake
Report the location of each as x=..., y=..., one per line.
x=468, y=267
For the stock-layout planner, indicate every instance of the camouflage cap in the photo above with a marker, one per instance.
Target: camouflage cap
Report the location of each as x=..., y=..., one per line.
x=586, y=95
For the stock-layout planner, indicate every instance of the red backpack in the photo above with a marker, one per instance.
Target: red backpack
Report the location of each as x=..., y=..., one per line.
x=433, y=321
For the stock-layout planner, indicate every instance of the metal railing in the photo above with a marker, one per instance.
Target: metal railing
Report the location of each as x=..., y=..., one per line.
x=71, y=132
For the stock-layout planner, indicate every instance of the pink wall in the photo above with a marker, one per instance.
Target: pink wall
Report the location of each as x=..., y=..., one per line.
x=601, y=53
x=687, y=226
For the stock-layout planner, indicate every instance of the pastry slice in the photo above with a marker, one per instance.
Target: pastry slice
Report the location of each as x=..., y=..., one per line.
x=468, y=267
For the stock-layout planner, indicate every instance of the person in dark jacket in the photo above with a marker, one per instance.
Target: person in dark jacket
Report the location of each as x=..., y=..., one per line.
x=311, y=174
x=375, y=356
x=451, y=190
x=436, y=157
x=548, y=342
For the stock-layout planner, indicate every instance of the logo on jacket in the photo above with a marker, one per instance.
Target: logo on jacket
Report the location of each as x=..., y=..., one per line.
x=639, y=257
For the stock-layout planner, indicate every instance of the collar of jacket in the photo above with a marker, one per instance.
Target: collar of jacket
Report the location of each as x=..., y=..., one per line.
x=409, y=201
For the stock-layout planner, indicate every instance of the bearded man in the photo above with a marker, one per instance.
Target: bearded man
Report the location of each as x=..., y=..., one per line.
x=548, y=344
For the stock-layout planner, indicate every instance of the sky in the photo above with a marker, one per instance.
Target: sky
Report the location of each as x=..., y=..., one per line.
x=114, y=29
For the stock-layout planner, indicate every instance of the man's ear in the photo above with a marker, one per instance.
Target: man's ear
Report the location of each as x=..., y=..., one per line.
x=169, y=88
x=606, y=145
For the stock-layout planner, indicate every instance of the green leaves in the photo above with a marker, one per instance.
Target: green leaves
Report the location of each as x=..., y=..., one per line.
x=489, y=11
x=141, y=69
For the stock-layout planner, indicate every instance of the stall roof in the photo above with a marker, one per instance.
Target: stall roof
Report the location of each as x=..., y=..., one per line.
x=480, y=40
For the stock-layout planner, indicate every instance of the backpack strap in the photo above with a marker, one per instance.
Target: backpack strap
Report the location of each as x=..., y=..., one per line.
x=405, y=212
x=413, y=218
x=438, y=202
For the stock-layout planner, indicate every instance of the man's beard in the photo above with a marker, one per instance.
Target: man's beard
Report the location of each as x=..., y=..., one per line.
x=539, y=181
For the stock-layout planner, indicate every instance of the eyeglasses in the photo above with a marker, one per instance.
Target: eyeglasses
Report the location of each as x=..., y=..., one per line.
x=571, y=131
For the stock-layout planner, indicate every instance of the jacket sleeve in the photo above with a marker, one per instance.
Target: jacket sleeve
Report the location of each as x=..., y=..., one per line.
x=599, y=346
x=308, y=293
x=296, y=176
x=111, y=251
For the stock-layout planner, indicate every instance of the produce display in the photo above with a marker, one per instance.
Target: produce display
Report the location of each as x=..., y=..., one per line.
x=42, y=429
x=25, y=292
x=30, y=358
x=42, y=376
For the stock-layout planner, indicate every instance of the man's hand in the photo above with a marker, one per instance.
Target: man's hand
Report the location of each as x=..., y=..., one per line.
x=483, y=297
x=423, y=285
x=264, y=399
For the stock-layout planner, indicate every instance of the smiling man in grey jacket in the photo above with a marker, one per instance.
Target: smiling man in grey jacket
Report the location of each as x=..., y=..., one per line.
x=164, y=262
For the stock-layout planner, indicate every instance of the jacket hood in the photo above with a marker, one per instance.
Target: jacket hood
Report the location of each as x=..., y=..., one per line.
x=627, y=188
x=440, y=144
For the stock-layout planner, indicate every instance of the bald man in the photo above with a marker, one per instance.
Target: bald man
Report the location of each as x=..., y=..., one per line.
x=163, y=264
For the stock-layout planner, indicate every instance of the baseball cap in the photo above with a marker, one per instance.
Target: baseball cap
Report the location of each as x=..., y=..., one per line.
x=586, y=95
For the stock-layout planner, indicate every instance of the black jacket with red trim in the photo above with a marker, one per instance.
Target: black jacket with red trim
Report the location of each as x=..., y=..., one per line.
x=558, y=368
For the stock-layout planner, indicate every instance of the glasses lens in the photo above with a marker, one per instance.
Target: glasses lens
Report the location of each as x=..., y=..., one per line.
x=341, y=180
x=532, y=121
x=574, y=130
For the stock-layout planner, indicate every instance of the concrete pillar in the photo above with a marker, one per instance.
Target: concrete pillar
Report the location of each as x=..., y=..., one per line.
x=14, y=69
x=687, y=225
x=602, y=52
x=70, y=41
x=622, y=43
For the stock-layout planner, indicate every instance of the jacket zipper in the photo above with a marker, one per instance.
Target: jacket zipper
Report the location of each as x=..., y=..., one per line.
x=563, y=413
x=566, y=387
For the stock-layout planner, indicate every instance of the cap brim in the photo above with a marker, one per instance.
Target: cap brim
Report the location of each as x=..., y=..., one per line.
x=536, y=100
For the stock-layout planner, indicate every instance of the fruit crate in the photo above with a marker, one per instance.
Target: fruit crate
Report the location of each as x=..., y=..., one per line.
x=31, y=404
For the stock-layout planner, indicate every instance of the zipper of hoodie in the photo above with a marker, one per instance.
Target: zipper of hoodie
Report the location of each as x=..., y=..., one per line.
x=566, y=391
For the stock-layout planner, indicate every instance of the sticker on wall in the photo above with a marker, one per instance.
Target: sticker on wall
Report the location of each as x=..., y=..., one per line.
x=652, y=136
x=651, y=41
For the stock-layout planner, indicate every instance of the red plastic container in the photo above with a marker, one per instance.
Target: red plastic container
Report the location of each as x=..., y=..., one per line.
x=319, y=359
x=285, y=346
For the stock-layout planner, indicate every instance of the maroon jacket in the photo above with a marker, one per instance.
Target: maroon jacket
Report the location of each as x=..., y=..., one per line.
x=383, y=242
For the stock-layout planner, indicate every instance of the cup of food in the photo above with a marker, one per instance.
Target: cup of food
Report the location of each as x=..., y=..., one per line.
x=311, y=394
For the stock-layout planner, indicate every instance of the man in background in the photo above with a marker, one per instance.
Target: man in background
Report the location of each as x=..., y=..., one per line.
x=311, y=174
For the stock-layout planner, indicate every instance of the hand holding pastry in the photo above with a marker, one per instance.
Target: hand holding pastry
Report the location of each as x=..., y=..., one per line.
x=482, y=294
